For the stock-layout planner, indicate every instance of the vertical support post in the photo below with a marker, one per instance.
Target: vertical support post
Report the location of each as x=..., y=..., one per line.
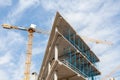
x=88, y=53
x=78, y=44
x=93, y=59
x=43, y=79
x=49, y=67
x=83, y=48
x=74, y=39
x=75, y=59
x=79, y=63
x=55, y=75
x=69, y=36
x=49, y=48
x=70, y=55
x=56, y=52
x=88, y=70
x=92, y=78
x=83, y=65
x=56, y=29
x=91, y=73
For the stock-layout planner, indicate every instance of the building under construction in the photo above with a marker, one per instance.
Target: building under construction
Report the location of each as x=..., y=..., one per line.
x=67, y=56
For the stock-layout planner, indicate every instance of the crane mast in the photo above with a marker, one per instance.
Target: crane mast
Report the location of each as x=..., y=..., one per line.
x=29, y=55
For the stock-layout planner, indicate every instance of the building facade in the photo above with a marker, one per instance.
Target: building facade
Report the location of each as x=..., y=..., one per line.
x=67, y=56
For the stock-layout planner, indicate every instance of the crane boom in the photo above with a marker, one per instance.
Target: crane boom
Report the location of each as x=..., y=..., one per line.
x=96, y=40
x=7, y=26
x=42, y=31
x=111, y=73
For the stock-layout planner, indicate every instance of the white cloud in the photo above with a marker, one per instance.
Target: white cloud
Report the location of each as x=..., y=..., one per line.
x=10, y=53
x=5, y=59
x=14, y=59
x=18, y=10
x=4, y=75
x=39, y=48
x=9, y=39
x=4, y=3
x=13, y=41
x=71, y=6
x=18, y=71
x=111, y=59
x=93, y=18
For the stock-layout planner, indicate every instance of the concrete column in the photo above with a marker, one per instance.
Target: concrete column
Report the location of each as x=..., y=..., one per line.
x=55, y=75
x=56, y=30
x=56, y=52
x=49, y=67
x=49, y=48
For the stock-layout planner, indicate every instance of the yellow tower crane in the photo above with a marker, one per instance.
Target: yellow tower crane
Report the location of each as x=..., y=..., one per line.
x=30, y=31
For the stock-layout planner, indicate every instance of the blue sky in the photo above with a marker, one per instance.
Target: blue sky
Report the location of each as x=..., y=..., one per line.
x=99, y=19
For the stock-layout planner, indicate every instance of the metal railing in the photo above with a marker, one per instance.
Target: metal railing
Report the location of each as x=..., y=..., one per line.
x=73, y=68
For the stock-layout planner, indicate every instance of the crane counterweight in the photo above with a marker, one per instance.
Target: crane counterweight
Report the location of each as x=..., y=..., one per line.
x=31, y=30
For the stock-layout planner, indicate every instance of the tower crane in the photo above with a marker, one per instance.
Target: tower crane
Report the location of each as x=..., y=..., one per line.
x=32, y=29
x=96, y=40
x=111, y=73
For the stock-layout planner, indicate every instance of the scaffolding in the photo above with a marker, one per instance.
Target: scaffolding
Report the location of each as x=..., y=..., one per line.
x=77, y=61
x=81, y=46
